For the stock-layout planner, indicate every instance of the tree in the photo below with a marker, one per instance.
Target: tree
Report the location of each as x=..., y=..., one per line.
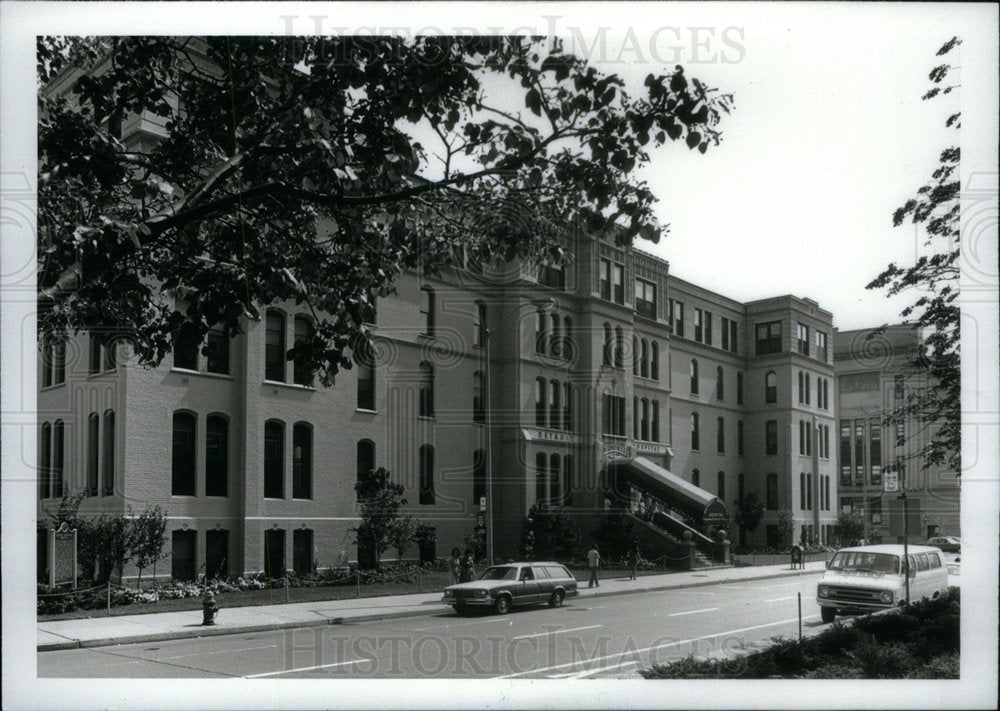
x=402, y=534
x=148, y=537
x=935, y=313
x=549, y=533
x=850, y=526
x=749, y=512
x=615, y=534
x=786, y=524
x=296, y=169
x=379, y=501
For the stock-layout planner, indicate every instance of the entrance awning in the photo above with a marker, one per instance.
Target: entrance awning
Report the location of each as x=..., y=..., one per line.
x=672, y=489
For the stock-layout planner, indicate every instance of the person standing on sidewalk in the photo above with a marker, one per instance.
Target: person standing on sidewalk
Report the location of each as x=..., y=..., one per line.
x=468, y=573
x=633, y=559
x=594, y=562
x=455, y=565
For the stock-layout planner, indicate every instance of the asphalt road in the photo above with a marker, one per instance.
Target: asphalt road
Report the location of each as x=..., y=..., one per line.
x=609, y=636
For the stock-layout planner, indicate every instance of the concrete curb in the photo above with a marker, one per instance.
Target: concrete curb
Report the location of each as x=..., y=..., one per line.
x=216, y=631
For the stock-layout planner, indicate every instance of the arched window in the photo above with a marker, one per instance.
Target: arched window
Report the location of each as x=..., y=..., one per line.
x=58, y=458
x=301, y=373
x=772, y=492
x=771, y=437
x=739, y=388
x=802, y=389
x=555, y=413
x=427, y=310
x=608, y=347
x=771, y=387
x=274, y=347
x=720, y=383
x=567, y=406
x=274, y=460
x=568, y=344
x=426, y=389
x=365, y=458
x=555, y=481
x=635, y=355
x=478, y=397
x=480, y=329
x=720, y=485
x=808, y=389
x=568, y=480
x=802, y=491
x=541, y=331
x=302, y=459
x=216, y=456
x=654, y=361
x=108, y=469
x=540, y=418
x=426, y=474
x=696, y=477
x=644, y=429
x=182, y=464
x=619, y=347
x=655, y=426
x=635, y=418
x=94, y=454
x=739, y=437
x=694, y=376
x=541, y=478
x=555, y=339
x=695, y=434
x=720, y=437
x=45, y=461
x=644, y=359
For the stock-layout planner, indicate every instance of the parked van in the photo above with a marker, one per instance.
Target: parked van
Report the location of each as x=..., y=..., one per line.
x=871, y=578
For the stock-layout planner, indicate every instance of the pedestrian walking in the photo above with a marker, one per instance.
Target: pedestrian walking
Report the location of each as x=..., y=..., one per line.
x=633, y=559
x=594, y=562
x=455, y=565
x=468, y=567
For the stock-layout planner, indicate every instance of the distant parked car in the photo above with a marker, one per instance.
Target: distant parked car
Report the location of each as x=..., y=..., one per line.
x=503, y=586
x=949, y=544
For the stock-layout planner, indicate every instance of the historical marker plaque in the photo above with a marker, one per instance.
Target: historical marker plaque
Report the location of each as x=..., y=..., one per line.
x=62, y=556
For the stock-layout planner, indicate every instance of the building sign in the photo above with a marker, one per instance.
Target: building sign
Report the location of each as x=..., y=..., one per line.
x=650, y=448
x=548, y=436
x=62, y=556
x=614, y=449
x=482, y=503
x=859, y=382
x=890, y=480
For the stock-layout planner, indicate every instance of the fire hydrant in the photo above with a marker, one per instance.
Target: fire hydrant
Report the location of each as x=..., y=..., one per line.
x=208, y=608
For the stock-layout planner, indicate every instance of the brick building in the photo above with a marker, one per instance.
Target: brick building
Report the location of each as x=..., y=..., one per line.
x=874, y=376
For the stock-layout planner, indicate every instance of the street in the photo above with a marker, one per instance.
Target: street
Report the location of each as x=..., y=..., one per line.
x=610, y=636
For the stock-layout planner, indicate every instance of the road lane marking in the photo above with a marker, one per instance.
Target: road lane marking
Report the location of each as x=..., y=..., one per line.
x=692, y=612
x=589, y=672
x=464, y=624
x=302, y=669
x=659, y=646
x=543, y=634
x=218, y=651
x=779, y=599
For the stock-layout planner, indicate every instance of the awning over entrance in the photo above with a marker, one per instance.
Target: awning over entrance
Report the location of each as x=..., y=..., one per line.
x=672, y=489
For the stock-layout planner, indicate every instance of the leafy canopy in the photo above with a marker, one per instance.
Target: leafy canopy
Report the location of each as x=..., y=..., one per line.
x=935, y=312
x=316, y=170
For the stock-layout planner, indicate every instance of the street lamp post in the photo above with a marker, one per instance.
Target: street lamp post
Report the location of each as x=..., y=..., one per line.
x=543, y=305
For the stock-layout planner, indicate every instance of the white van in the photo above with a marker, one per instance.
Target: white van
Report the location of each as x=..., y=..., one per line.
x=871, y=578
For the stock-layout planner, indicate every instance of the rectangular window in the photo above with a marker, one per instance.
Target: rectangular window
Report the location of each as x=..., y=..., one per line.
x=302, y=457
x=426, y=495
x=768, y=338
x=739, y=437
x=699, y=317
x=733, y=343
x=720, y=437
x=552, y=274
x=708, y=328
x=645, y=298
x=859, y=452
x=803, y=504
x=802, y=336
x=821, y=346
x=302, y=551
x=846, y=470
x=274, y=349
x=216, y=456
x=366, y=386
x=695, y=432
x=677, y=317
x=875, y=450
x=618, y=283
x=728, y=331
x=772, y=492
x=613, y=411
x=605, y=279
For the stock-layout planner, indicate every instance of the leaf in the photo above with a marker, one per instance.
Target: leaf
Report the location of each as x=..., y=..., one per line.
x=693, y=139
x=533, y=101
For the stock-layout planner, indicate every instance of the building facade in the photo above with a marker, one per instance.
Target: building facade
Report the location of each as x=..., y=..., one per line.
x=874, y=376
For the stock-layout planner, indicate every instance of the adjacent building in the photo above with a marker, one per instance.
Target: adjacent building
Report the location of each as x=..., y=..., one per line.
x=875, y=373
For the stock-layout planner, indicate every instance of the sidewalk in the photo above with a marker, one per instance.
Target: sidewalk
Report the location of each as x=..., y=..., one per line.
x=105, y=631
